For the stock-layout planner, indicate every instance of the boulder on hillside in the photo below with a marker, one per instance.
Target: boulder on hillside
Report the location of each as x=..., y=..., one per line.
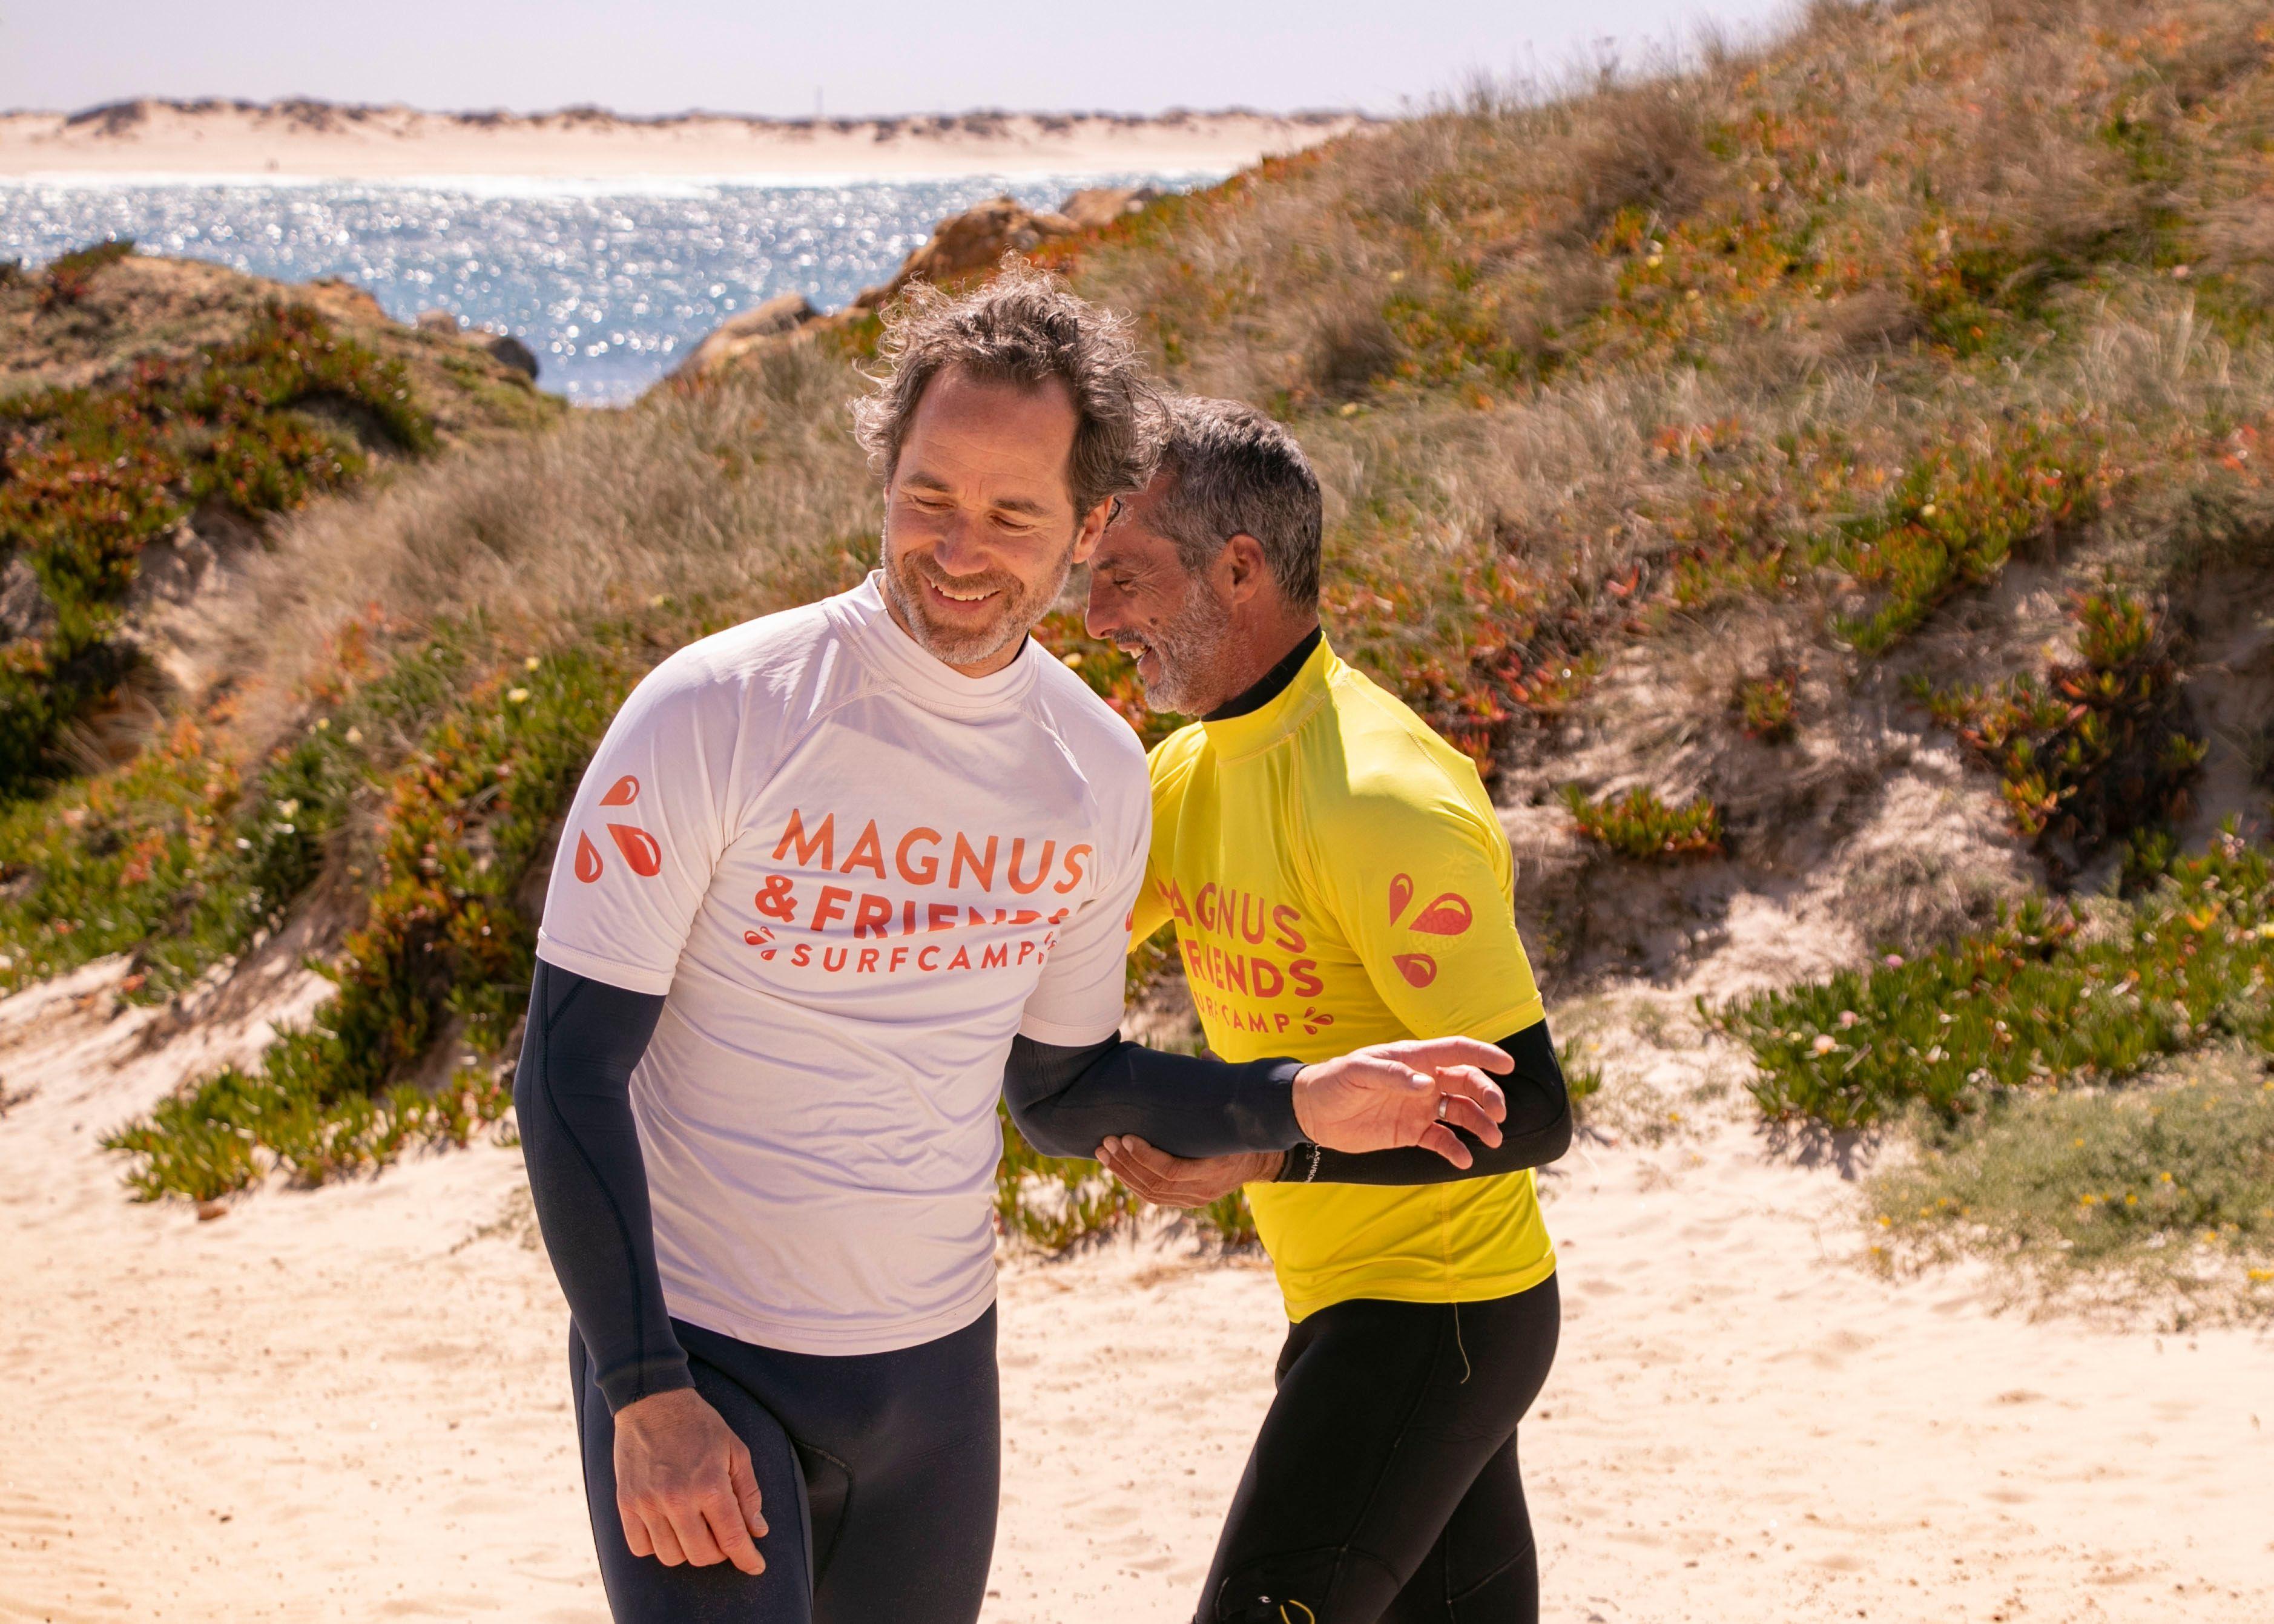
x=503, y=347
x=777, y=317
x=1093, y=208
x=967, y=245
x=974, y=241
x=347, y=296
x=509, y=351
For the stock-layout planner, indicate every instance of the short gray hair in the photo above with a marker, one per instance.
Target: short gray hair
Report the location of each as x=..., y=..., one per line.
x=1229, y=470
x=1023, y=328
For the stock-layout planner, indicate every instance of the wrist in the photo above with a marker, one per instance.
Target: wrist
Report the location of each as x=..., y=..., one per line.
x=1301, y=1089
x=647, y=1385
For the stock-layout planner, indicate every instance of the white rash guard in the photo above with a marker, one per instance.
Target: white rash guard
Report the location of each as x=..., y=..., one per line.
x=855, y=875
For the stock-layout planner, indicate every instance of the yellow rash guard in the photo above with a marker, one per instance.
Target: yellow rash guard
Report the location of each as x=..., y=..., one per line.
x=1337, y=878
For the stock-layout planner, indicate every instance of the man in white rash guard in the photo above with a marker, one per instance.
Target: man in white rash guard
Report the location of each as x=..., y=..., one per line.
x=834, y=877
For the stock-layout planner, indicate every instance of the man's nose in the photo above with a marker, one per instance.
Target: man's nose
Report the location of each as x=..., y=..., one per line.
x=956, y=548
x=1101, y=617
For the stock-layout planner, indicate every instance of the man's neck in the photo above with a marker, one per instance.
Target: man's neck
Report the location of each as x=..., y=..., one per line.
x=1264, y=667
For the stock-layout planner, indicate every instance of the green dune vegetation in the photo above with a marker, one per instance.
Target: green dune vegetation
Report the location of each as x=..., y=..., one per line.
x=1708, y=454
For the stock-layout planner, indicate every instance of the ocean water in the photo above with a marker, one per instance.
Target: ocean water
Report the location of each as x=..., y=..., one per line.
x=609, y=283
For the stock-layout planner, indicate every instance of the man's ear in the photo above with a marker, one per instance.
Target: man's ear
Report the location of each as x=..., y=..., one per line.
x=1242, y=568
x=1092, y=531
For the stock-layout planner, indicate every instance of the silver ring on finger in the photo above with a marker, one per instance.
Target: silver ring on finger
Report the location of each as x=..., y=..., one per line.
x=1444, y=1104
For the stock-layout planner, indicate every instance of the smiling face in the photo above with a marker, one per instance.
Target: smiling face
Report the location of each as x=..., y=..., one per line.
x=980, y=525
x=1176, y=621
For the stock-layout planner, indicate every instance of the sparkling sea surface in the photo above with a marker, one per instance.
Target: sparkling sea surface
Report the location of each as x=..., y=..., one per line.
x=608, y=281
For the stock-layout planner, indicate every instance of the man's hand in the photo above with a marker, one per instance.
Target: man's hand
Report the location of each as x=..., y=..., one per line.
x=684, y=1484
x=1181, y=1181
x=1411, y=1093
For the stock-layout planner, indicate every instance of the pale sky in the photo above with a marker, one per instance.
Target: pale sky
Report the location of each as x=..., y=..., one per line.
x=866, y=56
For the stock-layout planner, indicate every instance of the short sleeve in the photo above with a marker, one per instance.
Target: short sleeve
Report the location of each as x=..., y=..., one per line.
x=1077, y=1000
x=1420, y=883
x=644, y=833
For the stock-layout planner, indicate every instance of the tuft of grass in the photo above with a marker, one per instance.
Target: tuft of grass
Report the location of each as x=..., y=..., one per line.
x=2162, y=1195
x=1583, y=1077
x=1958, y=514
x=180, y=860
x=90, y=476
x=1765, y=704
x=1641, y=826
x=68, y=276
x=2094, y=752
x=442, y=944
x=2039, y=1003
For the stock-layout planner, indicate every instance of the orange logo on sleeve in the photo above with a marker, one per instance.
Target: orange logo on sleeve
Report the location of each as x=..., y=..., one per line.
x=639, y=847
x=1448, y=916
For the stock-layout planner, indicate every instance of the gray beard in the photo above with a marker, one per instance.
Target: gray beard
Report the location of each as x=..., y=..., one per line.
x=1190, y=647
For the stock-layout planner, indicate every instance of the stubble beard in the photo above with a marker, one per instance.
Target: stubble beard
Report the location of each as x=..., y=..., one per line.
x=1020, y=605
x=1189, y=649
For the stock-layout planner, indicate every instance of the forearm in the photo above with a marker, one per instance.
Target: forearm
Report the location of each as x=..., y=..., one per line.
x=1536, y=1131
x=1066, y=1101
x=572, y=1094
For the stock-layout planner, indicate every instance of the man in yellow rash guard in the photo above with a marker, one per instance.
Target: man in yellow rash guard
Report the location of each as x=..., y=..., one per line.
x=1336, y=876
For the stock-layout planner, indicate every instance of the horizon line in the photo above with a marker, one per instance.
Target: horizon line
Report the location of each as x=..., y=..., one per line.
x=120, y=110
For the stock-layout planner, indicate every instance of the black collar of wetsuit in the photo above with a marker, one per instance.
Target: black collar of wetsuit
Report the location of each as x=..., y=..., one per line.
x=1271, y=684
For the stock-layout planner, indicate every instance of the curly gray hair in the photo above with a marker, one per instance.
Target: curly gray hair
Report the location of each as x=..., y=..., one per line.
x=1023, y=328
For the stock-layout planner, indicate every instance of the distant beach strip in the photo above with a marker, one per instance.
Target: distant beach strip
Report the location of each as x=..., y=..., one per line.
x=608, y=244
x=214, y=139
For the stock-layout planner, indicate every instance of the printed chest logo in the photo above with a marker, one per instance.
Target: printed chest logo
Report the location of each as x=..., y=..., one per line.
x=641, y=853
x=1219, y=933
x=855, y=908
x=1448, y=915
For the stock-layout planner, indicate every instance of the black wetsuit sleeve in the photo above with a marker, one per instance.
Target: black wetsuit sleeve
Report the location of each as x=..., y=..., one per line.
x=572, y=1095
x=1064, y=1101
x=1537, y=1130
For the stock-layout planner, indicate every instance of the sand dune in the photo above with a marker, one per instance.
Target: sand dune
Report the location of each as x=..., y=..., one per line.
x=317, y=140
x=348, y=1403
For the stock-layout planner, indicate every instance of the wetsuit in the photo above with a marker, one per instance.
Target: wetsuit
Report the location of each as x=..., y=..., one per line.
x=813, y=888
x=913, y=1431
x=1337, y=876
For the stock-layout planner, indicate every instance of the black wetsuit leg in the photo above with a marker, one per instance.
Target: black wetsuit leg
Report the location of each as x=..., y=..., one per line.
x=879, y=1474
x=1383, y=1484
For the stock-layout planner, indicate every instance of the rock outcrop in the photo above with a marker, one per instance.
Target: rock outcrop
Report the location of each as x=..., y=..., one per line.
x=509, y=351
x=781, y=315
x=503, y=348
x=971, y=243
x=1095, y=207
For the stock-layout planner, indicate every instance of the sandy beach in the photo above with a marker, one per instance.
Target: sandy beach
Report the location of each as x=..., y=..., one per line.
x=313, y=140
x=349, y=1404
